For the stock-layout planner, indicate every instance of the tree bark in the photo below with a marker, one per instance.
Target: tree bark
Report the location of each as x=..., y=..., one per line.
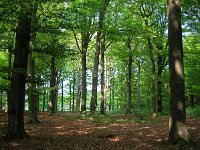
x=103, y=96
x=159, y=85
x=129, y=75
x=62, y=95
x=178, y=132
x=73, y=91
x=85, y=43
x=139, y=88
x=33, y=96
x=70, y=95
x=153, y=77
x=44, y=98
x=1, y=101
x=78, y=95
x=53, y=87
x=18, y=78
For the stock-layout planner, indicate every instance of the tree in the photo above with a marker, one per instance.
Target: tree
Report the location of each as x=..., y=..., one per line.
x=177, y=128
x=18, y=78
x=102, y=13
x=33, y=96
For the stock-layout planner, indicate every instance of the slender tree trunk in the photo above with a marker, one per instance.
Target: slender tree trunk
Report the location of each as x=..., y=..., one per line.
x=139, y=89
x=10, y=67
x=44, y=98
x=70, y=95
x=73, y=91
x=129, y=75
x=84, y=70
x=62, y=95
x=103, y=96
x=33, y=96
x=191, y=100
x=53, y=88
x=1, y=102
x=113, y=94
x=17, y=88
x=110, y=95
x=159, y=85
x=78, y=91
x=153, y=77
x=178, y=132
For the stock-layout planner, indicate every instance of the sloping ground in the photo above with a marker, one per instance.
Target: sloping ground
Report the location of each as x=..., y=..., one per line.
x=61, y=132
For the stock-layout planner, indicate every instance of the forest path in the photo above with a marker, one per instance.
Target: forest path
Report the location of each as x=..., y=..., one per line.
x=65, y=131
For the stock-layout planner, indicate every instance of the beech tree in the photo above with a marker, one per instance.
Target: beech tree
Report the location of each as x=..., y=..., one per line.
x=177, y=128
x=18, y=77
x=102, y=13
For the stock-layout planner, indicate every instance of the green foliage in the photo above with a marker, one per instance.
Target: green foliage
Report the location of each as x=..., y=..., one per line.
x=193, y=112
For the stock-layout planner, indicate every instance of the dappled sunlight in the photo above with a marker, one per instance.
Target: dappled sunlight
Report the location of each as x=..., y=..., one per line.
x=192, y=128
x=145, y=127
x=178, y=68
x=56, y=132
x=59, y=127
x=116, y=139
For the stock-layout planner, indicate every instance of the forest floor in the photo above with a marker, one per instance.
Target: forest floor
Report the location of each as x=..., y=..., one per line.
x=69, y=131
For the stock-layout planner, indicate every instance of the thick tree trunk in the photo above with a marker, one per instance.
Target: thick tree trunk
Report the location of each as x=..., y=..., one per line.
x=177, y=120
x=53, y=87
x=18, y=78
x=129, y=75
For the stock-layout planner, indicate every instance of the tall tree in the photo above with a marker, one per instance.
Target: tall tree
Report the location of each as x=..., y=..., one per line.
x=177, y=128
x=102, y=12
x=129, y=75
x=18, y=78
x=33, y=96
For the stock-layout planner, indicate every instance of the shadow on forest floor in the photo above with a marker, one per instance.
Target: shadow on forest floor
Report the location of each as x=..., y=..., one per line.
x=116, y=132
